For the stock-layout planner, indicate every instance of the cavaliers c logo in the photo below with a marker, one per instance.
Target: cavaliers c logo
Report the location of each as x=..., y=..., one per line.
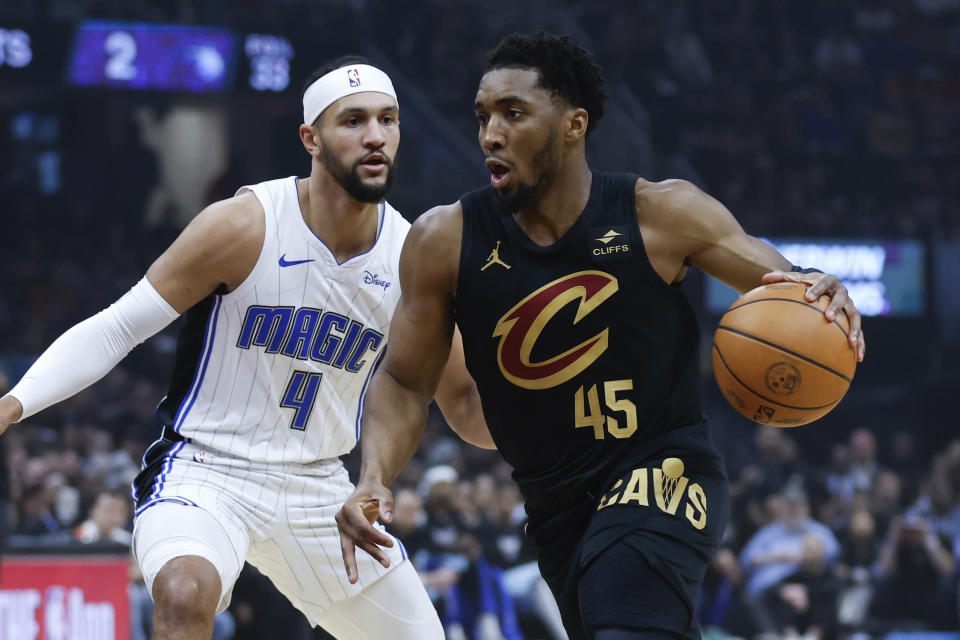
x=520, y=327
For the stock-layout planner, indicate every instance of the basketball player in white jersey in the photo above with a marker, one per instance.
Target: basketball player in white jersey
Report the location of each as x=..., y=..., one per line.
x=288, y=289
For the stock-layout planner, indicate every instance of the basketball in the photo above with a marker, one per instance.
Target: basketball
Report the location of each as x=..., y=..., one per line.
x=778, y=360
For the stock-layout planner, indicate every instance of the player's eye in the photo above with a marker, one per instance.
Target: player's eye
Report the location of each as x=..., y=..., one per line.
x=482, y=118
x=513, y=114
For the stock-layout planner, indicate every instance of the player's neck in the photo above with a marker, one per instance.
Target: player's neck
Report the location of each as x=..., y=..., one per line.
x=346, y=226
x=551, y=215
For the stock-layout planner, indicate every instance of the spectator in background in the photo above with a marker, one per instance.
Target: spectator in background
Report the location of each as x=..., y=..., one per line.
x=776, y=465
x=107, y=521
x=863, y=459
x=858, y=544
x=939, y=502
x=902, y=454
x=721, y=597
x=36, y=517
x=509, y=549
x=476, y=606
x=776, y=552
x=805, y=602
x=409, y=524
x=859, y=548
x=915, y=578
x=885, y=498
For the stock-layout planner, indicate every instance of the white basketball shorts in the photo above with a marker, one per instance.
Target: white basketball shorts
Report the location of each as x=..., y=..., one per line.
x=280, y=519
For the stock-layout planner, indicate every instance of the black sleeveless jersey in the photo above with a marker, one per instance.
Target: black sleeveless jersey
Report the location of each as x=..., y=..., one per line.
x=581, y=352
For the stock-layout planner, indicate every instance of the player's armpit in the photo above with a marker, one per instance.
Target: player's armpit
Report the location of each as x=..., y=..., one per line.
x=459, y=399
x=220, y=246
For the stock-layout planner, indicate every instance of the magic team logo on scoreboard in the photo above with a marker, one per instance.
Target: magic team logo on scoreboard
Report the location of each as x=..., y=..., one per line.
x=152, y=56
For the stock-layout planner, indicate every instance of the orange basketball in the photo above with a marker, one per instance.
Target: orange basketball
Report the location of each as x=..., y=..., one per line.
x=778, y=360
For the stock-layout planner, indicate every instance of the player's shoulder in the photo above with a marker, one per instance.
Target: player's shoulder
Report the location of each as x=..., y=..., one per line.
x=441, y=224
x=239, y=219
x=666, y=194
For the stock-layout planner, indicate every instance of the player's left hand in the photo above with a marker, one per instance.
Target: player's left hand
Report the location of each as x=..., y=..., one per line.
x=825, y=284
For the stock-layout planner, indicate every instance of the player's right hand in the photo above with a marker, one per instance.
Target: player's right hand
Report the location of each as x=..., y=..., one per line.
x=10, y=412
x=355, y=522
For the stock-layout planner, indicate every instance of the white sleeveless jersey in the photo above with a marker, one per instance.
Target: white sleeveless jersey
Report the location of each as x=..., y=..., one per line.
x=276, y=370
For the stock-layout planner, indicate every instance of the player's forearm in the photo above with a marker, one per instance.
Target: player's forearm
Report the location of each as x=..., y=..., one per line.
x=394, y=417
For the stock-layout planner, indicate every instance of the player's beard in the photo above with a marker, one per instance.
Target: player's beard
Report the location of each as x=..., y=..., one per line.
x=349, y=178
x=544, y=163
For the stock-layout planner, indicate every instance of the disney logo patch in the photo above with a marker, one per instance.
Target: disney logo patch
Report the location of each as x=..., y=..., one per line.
x=374, y=279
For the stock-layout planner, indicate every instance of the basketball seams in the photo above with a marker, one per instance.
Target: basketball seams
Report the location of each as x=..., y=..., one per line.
x=785, y=350
x=802, y=304
x=763, y=397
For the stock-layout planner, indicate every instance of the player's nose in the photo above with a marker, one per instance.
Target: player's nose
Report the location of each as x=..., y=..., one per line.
x=375, y=136
x=491, y=136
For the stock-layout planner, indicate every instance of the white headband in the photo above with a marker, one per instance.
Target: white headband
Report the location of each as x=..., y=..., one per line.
x=343, y=82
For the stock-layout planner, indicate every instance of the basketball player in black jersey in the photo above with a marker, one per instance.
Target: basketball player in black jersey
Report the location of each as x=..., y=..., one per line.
x=565, y=285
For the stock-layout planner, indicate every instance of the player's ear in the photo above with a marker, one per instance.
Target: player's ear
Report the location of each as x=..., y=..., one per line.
x=310, y=137
x=577, y=120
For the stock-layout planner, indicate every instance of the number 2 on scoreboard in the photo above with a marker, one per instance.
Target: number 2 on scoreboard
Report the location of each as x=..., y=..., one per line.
x=121, y=48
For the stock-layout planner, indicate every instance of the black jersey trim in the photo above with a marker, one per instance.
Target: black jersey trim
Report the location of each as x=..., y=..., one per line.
x=190, y=346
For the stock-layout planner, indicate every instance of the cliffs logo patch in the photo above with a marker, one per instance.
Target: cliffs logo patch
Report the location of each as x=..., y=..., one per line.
x=520, y=327
x=609, y=243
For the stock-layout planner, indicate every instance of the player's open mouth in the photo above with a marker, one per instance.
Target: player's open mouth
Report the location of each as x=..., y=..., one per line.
x=374, y=162
x=499, y=173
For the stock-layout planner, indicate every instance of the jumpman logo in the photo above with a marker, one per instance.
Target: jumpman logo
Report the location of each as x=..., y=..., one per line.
x=495, y=258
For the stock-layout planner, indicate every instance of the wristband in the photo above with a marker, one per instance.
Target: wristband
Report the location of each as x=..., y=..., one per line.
x=798, y=269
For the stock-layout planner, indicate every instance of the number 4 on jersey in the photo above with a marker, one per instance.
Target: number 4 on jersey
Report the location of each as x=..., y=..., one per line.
x=300, y=395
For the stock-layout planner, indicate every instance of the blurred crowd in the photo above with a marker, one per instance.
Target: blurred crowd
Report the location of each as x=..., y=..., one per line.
x=863, y=538
x=805, y=118
x=838, y=115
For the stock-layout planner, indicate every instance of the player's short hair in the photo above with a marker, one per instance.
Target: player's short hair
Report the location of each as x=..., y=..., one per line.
x=326, y=68
x=564, y=68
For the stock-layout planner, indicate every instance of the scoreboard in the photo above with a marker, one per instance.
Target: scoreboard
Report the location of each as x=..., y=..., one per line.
x=32, y=55
x=885, y=277
x=144, y=56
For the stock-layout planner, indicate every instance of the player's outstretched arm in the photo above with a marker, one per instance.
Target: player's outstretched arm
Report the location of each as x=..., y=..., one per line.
x=686, y=226
x=396, y=405
x=209, y=251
